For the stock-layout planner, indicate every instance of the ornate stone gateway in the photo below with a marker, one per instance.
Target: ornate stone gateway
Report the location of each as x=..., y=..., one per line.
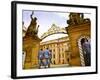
x=31, y=42
x=53, y=30
x=77, y=26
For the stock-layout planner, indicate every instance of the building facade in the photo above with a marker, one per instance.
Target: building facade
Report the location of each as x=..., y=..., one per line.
x=60, y=49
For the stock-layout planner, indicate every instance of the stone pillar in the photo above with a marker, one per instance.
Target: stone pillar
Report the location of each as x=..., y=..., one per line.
x=75, y=31
x=31, y=47
x=35, y=50
x=27, y=63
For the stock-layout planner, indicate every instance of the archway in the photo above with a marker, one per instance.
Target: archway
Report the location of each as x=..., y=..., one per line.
x=58, y=46
x=80, y=41
x=53, y=30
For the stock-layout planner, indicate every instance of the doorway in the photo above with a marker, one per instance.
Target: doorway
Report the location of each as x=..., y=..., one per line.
x=80, y=42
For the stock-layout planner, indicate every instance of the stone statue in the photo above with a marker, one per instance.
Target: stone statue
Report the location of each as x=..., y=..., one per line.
x=32, y=29
x=75, y=18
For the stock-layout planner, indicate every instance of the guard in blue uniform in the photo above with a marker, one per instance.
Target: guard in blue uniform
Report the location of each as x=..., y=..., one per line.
x=41, y=57
x=47, y=58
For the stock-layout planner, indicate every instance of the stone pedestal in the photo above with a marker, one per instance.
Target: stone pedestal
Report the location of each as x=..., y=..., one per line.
x=31, y=47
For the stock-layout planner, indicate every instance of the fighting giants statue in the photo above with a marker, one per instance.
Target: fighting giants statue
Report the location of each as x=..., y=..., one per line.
x=33, y=28
x=76, y=19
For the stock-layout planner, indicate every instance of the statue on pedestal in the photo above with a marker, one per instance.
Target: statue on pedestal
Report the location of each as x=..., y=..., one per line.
x=76, y=19
x=31, y=44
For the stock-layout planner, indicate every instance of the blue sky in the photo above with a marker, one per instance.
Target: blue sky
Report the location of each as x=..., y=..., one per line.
x=46, y=18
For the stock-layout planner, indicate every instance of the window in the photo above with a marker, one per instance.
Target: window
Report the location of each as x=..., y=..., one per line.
x=54, y=61
x=54, y=50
